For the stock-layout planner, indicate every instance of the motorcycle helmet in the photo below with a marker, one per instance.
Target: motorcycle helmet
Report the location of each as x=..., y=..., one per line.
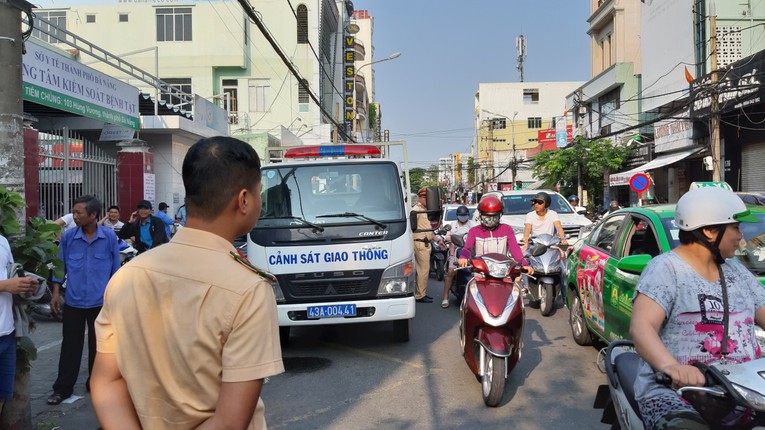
x=708, y=207
x=463, y=214
x=543, y=197
x=490, y=209
x=573, y=199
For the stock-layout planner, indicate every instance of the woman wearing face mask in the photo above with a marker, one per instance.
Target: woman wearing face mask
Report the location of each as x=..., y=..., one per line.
x=459, y=227
x=492, y=236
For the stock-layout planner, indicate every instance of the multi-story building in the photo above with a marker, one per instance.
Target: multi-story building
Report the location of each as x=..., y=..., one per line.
x=508, y=119
x=214, y=50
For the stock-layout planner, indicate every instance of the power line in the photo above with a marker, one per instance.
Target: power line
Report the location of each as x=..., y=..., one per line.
x=248, y=9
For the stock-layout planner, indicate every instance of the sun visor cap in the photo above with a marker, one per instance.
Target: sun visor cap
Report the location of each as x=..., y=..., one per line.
x=746, y=216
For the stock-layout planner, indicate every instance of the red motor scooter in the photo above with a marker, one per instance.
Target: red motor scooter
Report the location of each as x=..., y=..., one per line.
x=491, y=322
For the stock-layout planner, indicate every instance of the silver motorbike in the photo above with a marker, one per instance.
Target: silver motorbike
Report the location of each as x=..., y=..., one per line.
x=545, y=256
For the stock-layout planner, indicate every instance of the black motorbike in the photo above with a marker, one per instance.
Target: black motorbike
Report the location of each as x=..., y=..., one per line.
x=439, y=253
x=461, y=277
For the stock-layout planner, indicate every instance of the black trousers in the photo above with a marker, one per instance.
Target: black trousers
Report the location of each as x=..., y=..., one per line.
x=73, y=329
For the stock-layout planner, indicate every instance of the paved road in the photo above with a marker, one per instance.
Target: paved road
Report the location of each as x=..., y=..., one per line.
x=357, y=376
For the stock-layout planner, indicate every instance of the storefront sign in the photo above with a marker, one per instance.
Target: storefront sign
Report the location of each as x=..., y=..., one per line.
x=673, y=134
x=210, y=115
x=739, y=86
x=115, y=133
x=350, y=76
x=53, y=80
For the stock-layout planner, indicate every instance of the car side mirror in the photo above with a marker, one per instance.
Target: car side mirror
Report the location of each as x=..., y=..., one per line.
x=581, y=211
x=634, y=263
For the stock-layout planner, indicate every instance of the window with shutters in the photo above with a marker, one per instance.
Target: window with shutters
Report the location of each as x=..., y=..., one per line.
x=302, y=24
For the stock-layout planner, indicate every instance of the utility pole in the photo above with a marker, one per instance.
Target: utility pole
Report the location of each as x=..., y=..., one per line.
x=715, y=106
x=11, y=106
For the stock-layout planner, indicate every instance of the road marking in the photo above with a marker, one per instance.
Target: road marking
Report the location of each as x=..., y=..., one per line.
x=49, y=346
x=415, y=365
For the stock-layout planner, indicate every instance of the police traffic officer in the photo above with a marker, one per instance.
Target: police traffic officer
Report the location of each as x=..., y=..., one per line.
x=422, y=247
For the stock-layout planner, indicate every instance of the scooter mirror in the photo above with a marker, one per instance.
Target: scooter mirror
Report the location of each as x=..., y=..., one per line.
x=447, y=227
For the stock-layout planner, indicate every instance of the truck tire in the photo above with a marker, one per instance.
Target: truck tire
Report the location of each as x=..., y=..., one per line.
x=401, y=330
x=284, y=336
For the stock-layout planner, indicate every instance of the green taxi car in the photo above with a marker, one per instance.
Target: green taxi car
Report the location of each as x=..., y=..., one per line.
x=603, y=268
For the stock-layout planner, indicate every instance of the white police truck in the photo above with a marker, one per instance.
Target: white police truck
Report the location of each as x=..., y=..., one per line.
x=335, y=233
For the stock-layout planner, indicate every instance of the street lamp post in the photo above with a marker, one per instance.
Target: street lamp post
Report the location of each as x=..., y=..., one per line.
x=355, y=101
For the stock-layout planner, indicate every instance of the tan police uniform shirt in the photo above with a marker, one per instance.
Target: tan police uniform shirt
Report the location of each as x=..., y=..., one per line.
x=422, y=223
x=182, y=318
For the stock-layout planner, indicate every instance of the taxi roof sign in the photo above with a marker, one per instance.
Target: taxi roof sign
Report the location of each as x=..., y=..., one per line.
x=722, y=184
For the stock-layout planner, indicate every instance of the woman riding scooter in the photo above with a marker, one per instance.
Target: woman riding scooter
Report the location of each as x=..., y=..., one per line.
x=692, y=304
x=459, y=227
x=491, y=236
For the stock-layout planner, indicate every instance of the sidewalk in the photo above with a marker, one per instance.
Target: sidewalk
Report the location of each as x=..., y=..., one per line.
x=78, y=415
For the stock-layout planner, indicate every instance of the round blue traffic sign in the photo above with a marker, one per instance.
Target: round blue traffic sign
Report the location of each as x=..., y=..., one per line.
x=639, y=182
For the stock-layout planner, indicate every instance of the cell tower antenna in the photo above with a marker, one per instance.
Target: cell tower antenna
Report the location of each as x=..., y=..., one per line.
x=520, y=46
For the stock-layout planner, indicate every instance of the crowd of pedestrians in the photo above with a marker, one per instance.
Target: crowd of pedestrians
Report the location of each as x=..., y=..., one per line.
x=181, y=336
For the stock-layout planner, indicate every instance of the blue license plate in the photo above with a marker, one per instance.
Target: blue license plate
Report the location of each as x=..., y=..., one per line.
x=331, y=311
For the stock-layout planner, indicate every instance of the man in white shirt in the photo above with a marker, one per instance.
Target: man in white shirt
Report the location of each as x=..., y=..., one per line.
x=112, y=219
x=542, y=220
x=23, y=285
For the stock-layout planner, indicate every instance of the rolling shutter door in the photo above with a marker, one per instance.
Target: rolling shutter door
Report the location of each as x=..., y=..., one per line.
x=753, y=167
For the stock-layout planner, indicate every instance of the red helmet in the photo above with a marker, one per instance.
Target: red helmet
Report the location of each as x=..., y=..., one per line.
x=490, y=208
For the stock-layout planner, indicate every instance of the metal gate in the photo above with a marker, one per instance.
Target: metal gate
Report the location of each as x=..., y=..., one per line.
x=752, y=162
x=70, y=167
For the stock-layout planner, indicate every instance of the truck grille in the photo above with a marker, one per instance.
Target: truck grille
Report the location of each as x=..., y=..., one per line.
x=330, y=286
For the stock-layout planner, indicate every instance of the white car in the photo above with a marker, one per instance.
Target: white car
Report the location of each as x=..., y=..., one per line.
x=450, y=212
x=518, y=203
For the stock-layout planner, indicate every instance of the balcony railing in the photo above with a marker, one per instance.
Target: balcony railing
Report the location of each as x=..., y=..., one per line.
x=360, y=51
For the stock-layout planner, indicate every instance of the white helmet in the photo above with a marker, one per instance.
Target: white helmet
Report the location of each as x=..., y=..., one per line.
x=707, y=206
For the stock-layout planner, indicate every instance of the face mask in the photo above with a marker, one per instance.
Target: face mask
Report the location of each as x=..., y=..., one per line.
x=462, y=218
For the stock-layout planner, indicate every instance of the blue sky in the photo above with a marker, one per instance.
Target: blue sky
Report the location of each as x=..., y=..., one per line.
x=448, y=47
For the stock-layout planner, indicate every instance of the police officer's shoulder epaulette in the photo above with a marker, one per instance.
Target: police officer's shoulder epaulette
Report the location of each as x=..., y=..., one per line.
x=246, y=263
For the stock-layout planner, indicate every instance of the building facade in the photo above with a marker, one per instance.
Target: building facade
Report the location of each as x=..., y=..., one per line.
x=508, y=121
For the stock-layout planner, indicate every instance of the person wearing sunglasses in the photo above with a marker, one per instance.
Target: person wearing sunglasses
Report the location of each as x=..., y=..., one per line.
x=541, y=220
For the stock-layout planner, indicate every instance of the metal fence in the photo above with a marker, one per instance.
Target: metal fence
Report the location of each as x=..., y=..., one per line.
x=69, y=167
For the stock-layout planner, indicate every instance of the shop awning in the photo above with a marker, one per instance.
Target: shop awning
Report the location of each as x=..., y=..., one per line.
x=623, y=178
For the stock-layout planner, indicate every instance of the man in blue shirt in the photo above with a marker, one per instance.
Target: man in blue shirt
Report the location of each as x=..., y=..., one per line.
x=91, y=256
x=162, y=214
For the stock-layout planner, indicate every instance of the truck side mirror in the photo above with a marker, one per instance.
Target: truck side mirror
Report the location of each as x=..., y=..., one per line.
x=433, y=203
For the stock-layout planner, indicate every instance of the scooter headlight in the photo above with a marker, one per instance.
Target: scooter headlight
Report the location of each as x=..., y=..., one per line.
x=497, y=269
x=754, y=399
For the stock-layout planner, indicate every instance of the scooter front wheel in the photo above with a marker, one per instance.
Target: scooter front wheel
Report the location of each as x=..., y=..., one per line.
x=439, y=270
x=493, y=383
x=546, y=299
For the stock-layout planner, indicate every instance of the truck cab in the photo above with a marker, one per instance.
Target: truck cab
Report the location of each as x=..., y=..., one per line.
x=334, y=231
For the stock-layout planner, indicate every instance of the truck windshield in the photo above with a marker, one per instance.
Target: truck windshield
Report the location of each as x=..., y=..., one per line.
x=349, y=192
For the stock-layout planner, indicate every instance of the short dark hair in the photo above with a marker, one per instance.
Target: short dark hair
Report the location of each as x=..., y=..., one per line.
x=687, y=237
x=215, y=169
x=113, y=207
x=92, y=204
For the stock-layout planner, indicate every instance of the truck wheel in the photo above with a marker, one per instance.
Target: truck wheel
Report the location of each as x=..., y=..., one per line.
x=401, y=330
x=284, y=336
x=493, y=383
x=547, y=299
x=439, y=270
x=579, y=330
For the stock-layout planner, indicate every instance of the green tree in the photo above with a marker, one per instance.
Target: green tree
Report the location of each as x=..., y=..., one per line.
x=471, y=171
x=33, y=249
x=416, y=176
x=595, y=158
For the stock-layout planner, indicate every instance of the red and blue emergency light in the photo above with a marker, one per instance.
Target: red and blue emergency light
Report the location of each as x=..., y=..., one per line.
x=333, y=151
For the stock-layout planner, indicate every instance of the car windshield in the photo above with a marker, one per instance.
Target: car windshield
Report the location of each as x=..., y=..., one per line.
x=520, y=204
x=328, y=194
x=751, y=251
x=450, y=214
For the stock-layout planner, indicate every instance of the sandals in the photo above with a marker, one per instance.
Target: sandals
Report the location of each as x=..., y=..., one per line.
x=445, y=303
x=55, y=399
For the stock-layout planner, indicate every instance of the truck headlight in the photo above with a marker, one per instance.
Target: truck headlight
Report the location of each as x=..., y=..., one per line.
x=397, y=280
